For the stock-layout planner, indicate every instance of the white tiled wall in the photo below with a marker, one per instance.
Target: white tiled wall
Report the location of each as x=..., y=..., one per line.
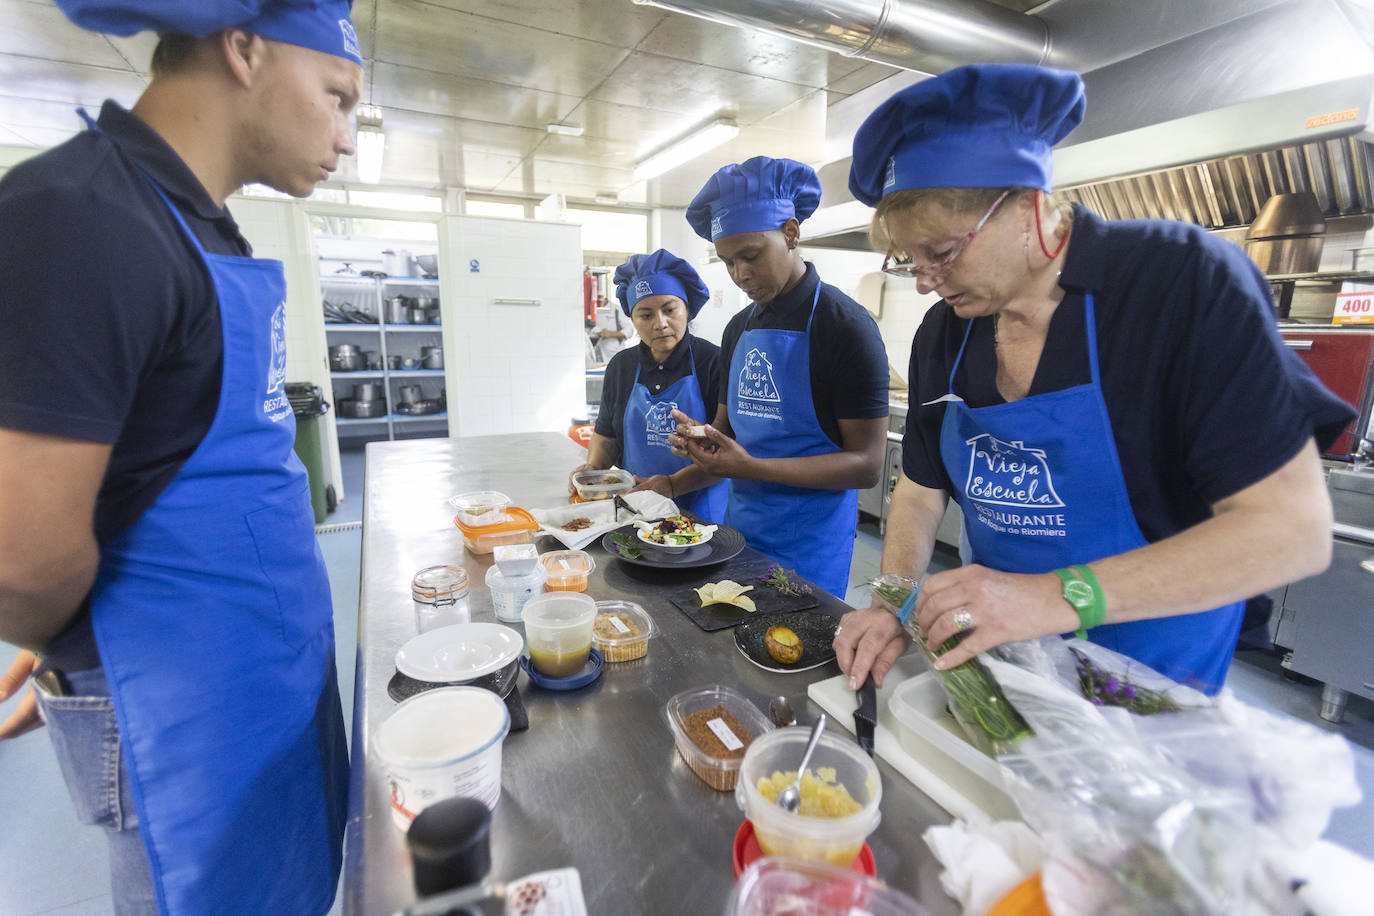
x=512, y=368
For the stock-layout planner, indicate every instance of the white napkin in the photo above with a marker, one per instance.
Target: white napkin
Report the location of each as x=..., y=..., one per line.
x=984, y=860
x=602, y=514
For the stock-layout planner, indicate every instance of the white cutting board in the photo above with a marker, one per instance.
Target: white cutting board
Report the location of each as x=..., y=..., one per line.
x=948, y=783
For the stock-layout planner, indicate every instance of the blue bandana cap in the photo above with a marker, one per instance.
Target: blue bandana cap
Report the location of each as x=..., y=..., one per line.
x=756, y=195
x=658, y=274
x=320, y=25
x=984, y=126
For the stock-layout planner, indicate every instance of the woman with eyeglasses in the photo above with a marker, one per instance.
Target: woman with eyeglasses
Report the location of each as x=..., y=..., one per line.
x=801, y=423
x=1133, y=450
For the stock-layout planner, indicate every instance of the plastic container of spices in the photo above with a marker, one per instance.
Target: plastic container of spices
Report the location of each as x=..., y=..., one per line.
x=712, y=727
x=621, y=630
x=440, y=594
x=568, y=570
x=510, y=593
x=515, y=526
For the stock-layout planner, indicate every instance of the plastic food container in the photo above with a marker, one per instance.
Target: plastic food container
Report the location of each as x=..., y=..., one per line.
x=477, y=508
x=516, y=560
x=558, y=632
x=835, y=840
x=929, y=733
x=516, y=526
x=510, y=593
x=789, y=887
x=702, y=713
x=602, y=484
x=443, y=743
x=568, y=570
x=622, y=630
x=440, y=595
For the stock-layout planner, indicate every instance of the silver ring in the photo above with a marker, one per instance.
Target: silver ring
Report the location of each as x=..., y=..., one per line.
x=963, y=620
x=838, y=629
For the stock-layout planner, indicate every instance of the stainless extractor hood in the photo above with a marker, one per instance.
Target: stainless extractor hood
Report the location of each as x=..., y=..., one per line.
x=1196, y=111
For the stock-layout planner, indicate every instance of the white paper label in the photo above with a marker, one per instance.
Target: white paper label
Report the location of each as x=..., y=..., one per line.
x=726, y=736
x=1354, y=305
x=618, y=624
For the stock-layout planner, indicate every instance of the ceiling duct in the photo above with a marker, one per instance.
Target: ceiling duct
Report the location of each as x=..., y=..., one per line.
x=1196, y=110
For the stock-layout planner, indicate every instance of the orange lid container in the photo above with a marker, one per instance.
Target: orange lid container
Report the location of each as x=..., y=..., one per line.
x=516, y=526
x=1025, y=899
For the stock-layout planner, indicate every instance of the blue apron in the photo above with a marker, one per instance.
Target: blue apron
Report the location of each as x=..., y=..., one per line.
x=214, y=622
x=1040, y=484
x=772, y=415
x=644, y=430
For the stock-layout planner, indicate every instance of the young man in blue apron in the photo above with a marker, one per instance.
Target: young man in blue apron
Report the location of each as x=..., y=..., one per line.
x=156, y=524
x=801, y=425
x=669, y=370
x=1131, y=445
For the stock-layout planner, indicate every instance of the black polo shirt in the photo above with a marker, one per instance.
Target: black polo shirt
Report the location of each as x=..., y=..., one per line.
x=1204, y=399
x=620, y=378
x=112, y=330
x=849, y=377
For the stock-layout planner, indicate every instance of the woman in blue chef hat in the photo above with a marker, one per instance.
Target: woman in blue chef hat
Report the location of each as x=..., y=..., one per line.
x=801, y=423
x=187, y=676
x=669, y=370
x=1133, y=450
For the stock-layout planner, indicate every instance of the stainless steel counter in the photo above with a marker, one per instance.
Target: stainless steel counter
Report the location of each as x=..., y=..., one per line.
x=595, y=782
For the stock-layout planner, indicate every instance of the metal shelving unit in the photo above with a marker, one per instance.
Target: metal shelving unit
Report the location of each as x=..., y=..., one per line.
x=374, y=293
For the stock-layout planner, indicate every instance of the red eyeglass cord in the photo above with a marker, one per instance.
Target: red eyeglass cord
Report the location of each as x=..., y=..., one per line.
x=1040, y=233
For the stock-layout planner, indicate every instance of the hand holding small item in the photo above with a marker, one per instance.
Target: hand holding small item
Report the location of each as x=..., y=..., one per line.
x=709, y=448
x=25, y=716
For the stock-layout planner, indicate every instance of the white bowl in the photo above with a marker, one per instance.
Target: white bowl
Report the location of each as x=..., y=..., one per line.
x=459, y=652
x=706, y=532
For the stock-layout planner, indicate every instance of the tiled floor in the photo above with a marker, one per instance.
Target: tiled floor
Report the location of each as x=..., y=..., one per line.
x=49, y=864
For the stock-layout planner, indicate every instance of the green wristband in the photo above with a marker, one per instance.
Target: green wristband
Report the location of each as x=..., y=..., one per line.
x=1084, y=593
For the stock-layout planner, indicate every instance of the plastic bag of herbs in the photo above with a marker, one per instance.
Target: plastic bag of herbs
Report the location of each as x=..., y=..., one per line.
x=975, y=700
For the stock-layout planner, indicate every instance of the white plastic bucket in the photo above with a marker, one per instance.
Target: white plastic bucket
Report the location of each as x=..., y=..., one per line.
x=443, y=743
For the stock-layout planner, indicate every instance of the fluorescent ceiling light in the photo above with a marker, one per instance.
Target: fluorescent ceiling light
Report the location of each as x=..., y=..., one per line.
x=566, y=130
x=371, y=142
x=689, y=147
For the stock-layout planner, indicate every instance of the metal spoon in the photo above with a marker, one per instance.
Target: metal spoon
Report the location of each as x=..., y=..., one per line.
x=789, y=799
x=780, y=711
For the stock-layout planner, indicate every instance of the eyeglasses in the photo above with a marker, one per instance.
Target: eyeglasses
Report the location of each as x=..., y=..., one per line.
x=905, y=266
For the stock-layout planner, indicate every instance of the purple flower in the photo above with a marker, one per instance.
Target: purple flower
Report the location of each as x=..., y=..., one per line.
x=1097, y=701
x=1129, y=691
x=1113, y=685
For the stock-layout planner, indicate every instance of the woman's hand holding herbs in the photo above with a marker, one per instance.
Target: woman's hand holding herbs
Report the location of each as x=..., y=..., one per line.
x=867, y=640
x=1002, y=607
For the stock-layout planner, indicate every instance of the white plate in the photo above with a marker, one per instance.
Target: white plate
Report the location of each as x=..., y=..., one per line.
x=459, y=652
x=642, y=530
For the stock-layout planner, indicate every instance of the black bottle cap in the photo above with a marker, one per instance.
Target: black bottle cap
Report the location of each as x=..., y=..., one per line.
x=449, y=845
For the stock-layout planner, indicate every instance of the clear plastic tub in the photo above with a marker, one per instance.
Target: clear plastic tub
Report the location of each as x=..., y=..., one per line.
x=568, y=570
x=622, y=630
x=558, y=632
x=516, y=526
x=789, y=887
x=929, y=733
x=516, y=560
x=691, y=715
x=510, y=594
x=834, y=840
x=596, y=484
x=476, y=508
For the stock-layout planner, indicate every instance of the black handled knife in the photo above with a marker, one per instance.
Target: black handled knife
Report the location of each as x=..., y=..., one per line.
x=866, y=716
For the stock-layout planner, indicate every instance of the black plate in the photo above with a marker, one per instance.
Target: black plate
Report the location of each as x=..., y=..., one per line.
x=816, y=631
x=725, y=544
x=767, y=599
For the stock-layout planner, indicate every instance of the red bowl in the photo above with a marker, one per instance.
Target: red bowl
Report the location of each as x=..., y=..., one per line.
x=747, y=850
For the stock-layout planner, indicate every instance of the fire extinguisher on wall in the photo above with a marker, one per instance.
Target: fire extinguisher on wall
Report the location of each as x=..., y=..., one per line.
x=589, y=286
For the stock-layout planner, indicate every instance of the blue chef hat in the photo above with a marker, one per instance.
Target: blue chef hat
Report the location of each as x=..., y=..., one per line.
x=320, y=25
x=754, y=196
x=985, y=126
x=657, y=274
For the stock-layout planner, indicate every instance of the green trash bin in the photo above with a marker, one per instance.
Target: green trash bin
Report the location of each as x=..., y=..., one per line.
x=308, y=404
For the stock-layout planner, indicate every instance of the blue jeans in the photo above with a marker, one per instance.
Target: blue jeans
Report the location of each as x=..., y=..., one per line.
x=85, y=736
